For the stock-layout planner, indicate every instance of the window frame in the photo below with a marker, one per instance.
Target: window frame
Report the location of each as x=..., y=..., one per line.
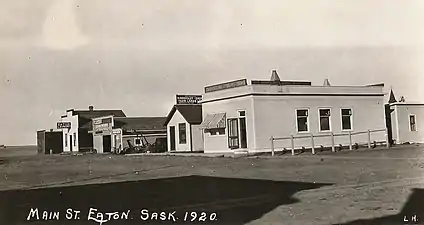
x=307, y=121
x=179, y=133
x=415, y=122
x=329, y=120
x=66, y=140
x=350, y=117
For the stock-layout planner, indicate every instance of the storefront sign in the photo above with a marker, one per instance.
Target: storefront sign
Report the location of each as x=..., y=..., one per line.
x=188, y=99
x=228, y=85
x=63, y=125
x=103, y=125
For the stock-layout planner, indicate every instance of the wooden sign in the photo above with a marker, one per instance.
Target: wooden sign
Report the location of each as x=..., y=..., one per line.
x=227, y=85
x=103, y=125
x=63, y=125
x=189, y=99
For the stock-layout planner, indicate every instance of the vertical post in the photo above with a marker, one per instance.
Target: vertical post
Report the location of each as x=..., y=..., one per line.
x=350, y=140
x=333, y=149
x=272, y=145
x=387, y=138
x=292, y=144
x=312, y=144
x=369, y=139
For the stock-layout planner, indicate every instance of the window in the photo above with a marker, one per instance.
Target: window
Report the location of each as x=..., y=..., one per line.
x=302, y=120
x=66, y=140
x=412, y=123
x=346, y=119
x=242, y=113
x=217, y=131
x=233, y=137
x=324, y=119
x=75, y=139
x=182, y=133
x=137, y=141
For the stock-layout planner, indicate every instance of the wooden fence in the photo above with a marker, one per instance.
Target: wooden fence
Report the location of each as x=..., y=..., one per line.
x=312, y=137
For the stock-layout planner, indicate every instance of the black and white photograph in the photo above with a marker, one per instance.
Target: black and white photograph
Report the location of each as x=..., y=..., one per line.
x=288, y=112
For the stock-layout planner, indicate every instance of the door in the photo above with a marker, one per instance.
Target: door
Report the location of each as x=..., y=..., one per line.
x=70, y=143
x=388, y=113
x=107, y=143
x=172, y=137
x=243, y=133
x=233, y=134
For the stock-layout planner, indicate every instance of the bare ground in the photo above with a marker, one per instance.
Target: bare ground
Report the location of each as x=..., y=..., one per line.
x=361, y=186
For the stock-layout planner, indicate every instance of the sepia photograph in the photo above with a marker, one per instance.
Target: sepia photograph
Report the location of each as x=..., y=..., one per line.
x=283, y=112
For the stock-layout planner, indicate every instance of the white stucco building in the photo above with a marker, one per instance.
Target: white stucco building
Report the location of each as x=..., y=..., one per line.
x=243, y=115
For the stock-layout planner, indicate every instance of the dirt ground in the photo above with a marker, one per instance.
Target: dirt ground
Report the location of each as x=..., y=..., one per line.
x=372, y=186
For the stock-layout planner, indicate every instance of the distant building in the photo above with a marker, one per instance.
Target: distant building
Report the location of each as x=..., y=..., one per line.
x=404, y=121
x=76, y=126
x=242, y=115
x=49, y=141
x=183, y=128
x=114, y=134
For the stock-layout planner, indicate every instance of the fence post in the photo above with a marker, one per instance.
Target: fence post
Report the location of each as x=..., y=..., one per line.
x=350, y=140
x=272, y=145
x=292, y=144
x=333, y=149
x=387, y=138
x=312, y=144
x=369, y=138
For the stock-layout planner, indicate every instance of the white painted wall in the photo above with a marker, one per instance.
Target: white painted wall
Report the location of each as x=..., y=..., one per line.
x=219, y=143
x=176, y=119
x=276, y=116
x=197, y=138
x=71, y=131
x=405, y=134
x=98, y=143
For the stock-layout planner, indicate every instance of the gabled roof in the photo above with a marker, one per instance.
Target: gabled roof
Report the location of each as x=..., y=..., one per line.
x=191, y=113
x=274, y=76
x=85, y=116
x=140, y=123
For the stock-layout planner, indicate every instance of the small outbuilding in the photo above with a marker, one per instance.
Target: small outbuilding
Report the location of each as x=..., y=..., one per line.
x=404, y=121
x=49, y=141
x=183, y=125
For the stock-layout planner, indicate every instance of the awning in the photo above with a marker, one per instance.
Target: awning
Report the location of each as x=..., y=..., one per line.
x=214, y=121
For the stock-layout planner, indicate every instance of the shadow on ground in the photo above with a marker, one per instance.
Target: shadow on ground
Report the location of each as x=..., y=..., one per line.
x=411, y=213
x=235, y=201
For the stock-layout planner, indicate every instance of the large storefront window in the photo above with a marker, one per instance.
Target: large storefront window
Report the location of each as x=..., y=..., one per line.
x=233, y=137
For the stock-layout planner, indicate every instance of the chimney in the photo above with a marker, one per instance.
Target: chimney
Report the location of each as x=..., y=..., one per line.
x=326, y=83
x=274, y=76
x=91, y=108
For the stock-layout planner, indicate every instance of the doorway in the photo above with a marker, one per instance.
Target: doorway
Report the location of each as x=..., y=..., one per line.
x=107, y=143
x=70, y=142
x=243, y=133
x=172, y=137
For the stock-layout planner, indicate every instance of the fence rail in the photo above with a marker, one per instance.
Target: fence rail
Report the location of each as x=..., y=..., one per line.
x=312, y=137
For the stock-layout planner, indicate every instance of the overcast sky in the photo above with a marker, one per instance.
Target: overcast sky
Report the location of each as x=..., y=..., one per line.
x=136, y=55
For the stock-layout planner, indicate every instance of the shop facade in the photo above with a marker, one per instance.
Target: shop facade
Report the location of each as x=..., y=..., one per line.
x=76, y=128
x=243, y=115
x=183, y=125
x=114, y=134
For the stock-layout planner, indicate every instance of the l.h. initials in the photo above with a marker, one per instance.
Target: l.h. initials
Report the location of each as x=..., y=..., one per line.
x=410, y=219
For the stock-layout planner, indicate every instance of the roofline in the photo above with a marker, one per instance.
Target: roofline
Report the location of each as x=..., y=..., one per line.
x=284, y=94
x=170, y=115
x=407, y=104
x=134, y=117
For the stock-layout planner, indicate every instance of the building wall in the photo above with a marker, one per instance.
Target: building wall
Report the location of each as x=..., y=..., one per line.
x=197, y=138
x=219, y=143
x=176, y=119
x=395, y=130
x=276, y=116
x=405, y=134
x=71, y=131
